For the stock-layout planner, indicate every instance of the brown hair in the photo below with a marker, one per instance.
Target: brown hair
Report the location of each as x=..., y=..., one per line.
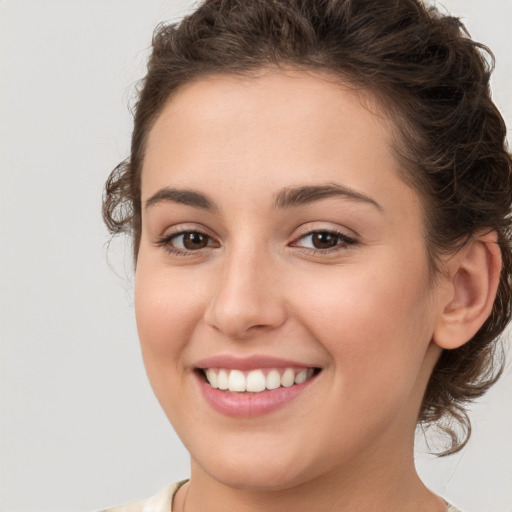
x=434, y=81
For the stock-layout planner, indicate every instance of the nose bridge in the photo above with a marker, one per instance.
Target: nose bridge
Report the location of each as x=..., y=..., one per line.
x=246, y=297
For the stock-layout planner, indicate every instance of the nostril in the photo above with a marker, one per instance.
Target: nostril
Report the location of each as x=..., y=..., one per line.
x=258, y=327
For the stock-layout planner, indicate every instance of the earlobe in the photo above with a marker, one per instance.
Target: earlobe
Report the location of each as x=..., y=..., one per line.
x=474, y=274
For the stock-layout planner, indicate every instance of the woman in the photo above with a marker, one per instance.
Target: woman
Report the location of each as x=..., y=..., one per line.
x=319, y=195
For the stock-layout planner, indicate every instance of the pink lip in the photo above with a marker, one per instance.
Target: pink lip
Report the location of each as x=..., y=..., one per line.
x=248, y=363
x=249, y=405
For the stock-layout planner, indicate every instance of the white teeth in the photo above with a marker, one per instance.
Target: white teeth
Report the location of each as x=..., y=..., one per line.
x=273, y=379
x=300, y=377
x=222, y=380
x=211, y=375
x=255, y=381
x=236, y=381
x=288, y=378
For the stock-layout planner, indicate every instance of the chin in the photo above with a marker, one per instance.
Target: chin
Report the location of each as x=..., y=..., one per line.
x=251, y=479
x=263, y=473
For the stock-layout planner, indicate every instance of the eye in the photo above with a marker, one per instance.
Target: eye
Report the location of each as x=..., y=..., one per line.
x=324, y=240
x=191, y=241
x=186, y=241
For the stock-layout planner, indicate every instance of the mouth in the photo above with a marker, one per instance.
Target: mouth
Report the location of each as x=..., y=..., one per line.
x=257, y=380
x=249, y=387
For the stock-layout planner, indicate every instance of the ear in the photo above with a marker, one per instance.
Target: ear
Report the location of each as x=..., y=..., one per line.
x=473, y=275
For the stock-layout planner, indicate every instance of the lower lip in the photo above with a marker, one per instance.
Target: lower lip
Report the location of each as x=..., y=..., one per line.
x=246, y=405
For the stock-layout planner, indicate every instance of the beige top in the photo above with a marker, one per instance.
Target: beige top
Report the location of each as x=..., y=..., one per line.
x=162, y=502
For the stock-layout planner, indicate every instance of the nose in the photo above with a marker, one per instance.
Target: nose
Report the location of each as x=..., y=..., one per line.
x=247, y=296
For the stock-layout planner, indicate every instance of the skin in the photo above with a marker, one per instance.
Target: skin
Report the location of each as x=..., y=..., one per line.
x=366, y=313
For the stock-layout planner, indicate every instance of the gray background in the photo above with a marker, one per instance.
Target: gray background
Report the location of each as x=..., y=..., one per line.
x=80, y=428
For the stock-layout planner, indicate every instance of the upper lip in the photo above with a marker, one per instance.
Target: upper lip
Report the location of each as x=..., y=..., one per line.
x=249, y=363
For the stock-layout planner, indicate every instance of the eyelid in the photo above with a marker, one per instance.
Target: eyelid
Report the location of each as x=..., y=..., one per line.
x=185, y=227
x=317, y=226
x=312, y=227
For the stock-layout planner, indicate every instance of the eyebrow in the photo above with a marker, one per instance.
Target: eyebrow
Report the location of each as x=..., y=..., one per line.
x=182, y=196
x=289, y=197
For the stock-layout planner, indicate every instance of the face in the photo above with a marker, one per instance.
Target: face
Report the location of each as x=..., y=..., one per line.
x=281, y=253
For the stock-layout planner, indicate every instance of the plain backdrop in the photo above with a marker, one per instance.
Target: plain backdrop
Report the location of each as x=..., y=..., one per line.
x=80, y=428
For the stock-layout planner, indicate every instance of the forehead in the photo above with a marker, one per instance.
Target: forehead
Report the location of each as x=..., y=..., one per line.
x=278, y=97
x=260, y=133
x=285, y=107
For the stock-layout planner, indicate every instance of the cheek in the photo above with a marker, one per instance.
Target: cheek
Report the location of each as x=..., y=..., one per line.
x=375, y=323
x=167, y=307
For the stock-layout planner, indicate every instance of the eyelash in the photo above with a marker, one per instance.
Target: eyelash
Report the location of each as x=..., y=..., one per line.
x=343, y=242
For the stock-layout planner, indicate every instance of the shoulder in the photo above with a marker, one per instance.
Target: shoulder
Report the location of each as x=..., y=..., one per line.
x=160, y=502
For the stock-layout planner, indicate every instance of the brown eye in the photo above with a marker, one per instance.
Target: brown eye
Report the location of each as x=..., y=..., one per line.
x=324, y=240
x=185, y=243
x=191, y=241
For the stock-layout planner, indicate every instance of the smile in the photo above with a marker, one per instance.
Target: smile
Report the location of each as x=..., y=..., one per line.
x=257, y=380
x=253, y=386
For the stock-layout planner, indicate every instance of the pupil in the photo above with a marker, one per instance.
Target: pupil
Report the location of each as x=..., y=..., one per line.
x=194, y=241
x=324, y=240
